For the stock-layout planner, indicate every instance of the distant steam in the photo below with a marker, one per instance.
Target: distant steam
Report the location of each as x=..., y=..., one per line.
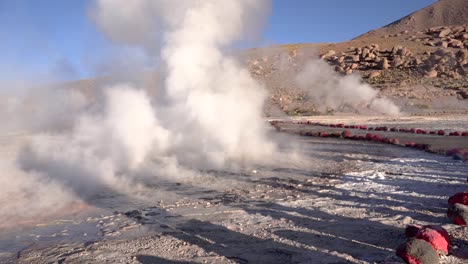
x=329, y=90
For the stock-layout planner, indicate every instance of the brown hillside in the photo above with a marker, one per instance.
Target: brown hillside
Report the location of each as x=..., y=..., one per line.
x=441, y=13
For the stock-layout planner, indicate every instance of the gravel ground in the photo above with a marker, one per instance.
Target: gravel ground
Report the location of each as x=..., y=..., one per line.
x=324, y=201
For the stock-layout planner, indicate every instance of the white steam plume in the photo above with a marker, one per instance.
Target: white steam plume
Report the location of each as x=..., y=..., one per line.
x=329, y=90
x=214, y=108
x=209, y=114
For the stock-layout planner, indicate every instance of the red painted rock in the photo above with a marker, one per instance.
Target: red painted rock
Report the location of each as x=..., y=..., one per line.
x=363, y=127
x=369, y=136
x=461, y=198
x=340, y=125
x=393, y=129
x=332, y=125
x=456, y=134
x=418, y=131
x=437, y=236
x=440, y=132
x=465, y=134
x=323, y=134
x=417, y=251
x=412, y=230
x=421, y=146
x=346, y=127
x=458, y=213
x=413, y=130
x=458, y=208
x=376, y=138
x=423, y=132
x=451, y=152
x=458, y=156
x=346, y=134
x=432, y=132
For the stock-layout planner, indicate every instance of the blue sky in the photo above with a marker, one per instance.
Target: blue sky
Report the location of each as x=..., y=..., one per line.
x=43, y=38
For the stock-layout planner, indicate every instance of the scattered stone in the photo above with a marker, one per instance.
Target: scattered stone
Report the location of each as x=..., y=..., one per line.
x=383, y=64
x=374, y=74
x=458, y=208
x=431, y=74
x=328, y=54
x=339, y=69
x=443, y=44
x=412, y=230
x=346, y=134
x=417, y=251
x=455, y=44
x=407, y=220
x=397, y=62
x=416, y=61
x=444, y=33
x=437, y=236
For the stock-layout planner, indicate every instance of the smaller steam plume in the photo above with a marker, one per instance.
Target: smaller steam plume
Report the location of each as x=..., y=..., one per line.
x=329, y=90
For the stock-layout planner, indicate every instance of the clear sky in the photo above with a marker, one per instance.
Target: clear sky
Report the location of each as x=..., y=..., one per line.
x=55, y=37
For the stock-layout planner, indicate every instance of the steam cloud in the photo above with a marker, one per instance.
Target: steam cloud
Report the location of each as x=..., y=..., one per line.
x=209, y=114
x=329, y=90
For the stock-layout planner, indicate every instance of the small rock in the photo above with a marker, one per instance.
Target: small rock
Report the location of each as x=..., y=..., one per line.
x=374, y=74
x=442, y=44
x=431, y=74
x=397, y=62
x=328, y=54
x=339, y=69
x=383, y=64
x=444, y=33
x=417, y=251
x=407, y=220
x=417, y=61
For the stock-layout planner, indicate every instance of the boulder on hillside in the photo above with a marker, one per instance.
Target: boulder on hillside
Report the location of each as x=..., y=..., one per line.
x=374, y=74
x=383, y=64
x=444, y=32
x=431, y=74
x=328, y=54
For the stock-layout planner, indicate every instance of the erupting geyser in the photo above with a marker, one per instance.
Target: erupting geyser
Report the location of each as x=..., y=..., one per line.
x=208, y=114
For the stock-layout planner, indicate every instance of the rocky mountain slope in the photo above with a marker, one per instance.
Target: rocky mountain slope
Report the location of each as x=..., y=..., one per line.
x=441, y=13
x=420, y=61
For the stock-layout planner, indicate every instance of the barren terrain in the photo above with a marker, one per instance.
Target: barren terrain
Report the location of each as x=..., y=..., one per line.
x=333, y=201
